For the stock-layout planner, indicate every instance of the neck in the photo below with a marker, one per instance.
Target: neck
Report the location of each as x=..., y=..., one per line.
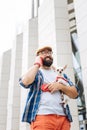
x=46, y=68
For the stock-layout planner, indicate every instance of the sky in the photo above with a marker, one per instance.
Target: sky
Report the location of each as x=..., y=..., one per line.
x=13, y=13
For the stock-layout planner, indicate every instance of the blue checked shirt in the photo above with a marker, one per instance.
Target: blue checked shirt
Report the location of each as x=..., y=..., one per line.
x=34, y=96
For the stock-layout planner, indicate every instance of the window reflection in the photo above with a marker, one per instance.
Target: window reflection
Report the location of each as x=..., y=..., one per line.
x=77, y=66
x=78, y=79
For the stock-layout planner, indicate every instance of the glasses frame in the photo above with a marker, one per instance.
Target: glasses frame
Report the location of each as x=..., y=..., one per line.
x=46, y=52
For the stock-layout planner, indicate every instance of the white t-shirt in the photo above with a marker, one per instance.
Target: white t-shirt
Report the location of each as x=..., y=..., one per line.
x=50, y=103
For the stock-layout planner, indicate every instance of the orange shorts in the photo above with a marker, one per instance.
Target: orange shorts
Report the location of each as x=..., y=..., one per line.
x=50, y=122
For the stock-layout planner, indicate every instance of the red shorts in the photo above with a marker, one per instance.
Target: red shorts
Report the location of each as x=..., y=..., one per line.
x=50, y=122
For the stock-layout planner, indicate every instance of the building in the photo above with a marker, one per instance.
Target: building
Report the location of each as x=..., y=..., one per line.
x=61, y=24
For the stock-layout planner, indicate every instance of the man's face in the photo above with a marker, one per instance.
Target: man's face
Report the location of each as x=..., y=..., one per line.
x=47, y=61
x=47, y=58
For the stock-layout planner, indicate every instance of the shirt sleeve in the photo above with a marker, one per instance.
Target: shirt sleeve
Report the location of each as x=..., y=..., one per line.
x=28, y=86
x=22, y=85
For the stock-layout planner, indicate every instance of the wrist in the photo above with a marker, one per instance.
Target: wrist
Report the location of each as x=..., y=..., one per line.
x=38, y=64
x=59, y=86
x=38, y=61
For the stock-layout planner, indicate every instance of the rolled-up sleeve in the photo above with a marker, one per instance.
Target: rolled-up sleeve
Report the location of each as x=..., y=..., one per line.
x=22, y=85
x=28, y=86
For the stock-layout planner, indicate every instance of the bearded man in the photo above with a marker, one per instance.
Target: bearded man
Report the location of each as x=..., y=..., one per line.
x=43, y=109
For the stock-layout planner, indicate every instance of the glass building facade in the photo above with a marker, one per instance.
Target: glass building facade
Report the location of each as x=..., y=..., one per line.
x=81, y=105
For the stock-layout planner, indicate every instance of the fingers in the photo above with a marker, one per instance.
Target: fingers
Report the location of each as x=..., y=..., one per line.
x=38, y=60
x=53, y=87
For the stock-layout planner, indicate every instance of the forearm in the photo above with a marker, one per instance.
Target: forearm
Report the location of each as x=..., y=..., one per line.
x=69, y=90
x=29, y=76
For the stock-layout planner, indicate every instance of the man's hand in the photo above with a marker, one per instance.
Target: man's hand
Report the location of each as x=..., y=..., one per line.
x=68, y=90
x=53, y=87
x=44, y=88
x=38, y=61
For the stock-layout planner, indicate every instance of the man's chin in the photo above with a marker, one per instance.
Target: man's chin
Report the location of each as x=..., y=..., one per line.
x=47, y=64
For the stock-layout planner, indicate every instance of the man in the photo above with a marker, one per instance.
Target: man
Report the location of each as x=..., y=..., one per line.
x=44, y=110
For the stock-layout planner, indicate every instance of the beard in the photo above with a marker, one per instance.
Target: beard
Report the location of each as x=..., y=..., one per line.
x=47, y=62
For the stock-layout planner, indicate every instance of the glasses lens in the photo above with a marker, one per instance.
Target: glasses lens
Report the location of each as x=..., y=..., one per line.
x=46, y=52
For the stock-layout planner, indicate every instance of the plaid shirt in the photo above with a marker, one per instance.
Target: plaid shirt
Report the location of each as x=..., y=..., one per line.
x=34, y=96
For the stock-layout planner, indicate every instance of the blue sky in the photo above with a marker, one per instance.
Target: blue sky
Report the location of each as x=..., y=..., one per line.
x=13, y=13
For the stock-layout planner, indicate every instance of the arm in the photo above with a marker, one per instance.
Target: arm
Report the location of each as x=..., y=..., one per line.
x=29, y=76
x=70, y=91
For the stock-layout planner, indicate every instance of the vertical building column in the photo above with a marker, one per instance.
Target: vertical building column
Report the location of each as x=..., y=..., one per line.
x=5, y=63
x=36, y=5
x=46, y=25
x=33, y=40
x=13, y=116
x=53, y=30
x=30, y=44
x=64, y=50
x=32, y=9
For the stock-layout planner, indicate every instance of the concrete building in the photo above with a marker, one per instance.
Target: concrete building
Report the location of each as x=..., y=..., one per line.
x=61, y=24
x=30, y=40
x=5, y=64
x=13, y=106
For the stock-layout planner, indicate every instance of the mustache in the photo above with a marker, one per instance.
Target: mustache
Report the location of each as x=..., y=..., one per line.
x=47, y=62
x=48, y=57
